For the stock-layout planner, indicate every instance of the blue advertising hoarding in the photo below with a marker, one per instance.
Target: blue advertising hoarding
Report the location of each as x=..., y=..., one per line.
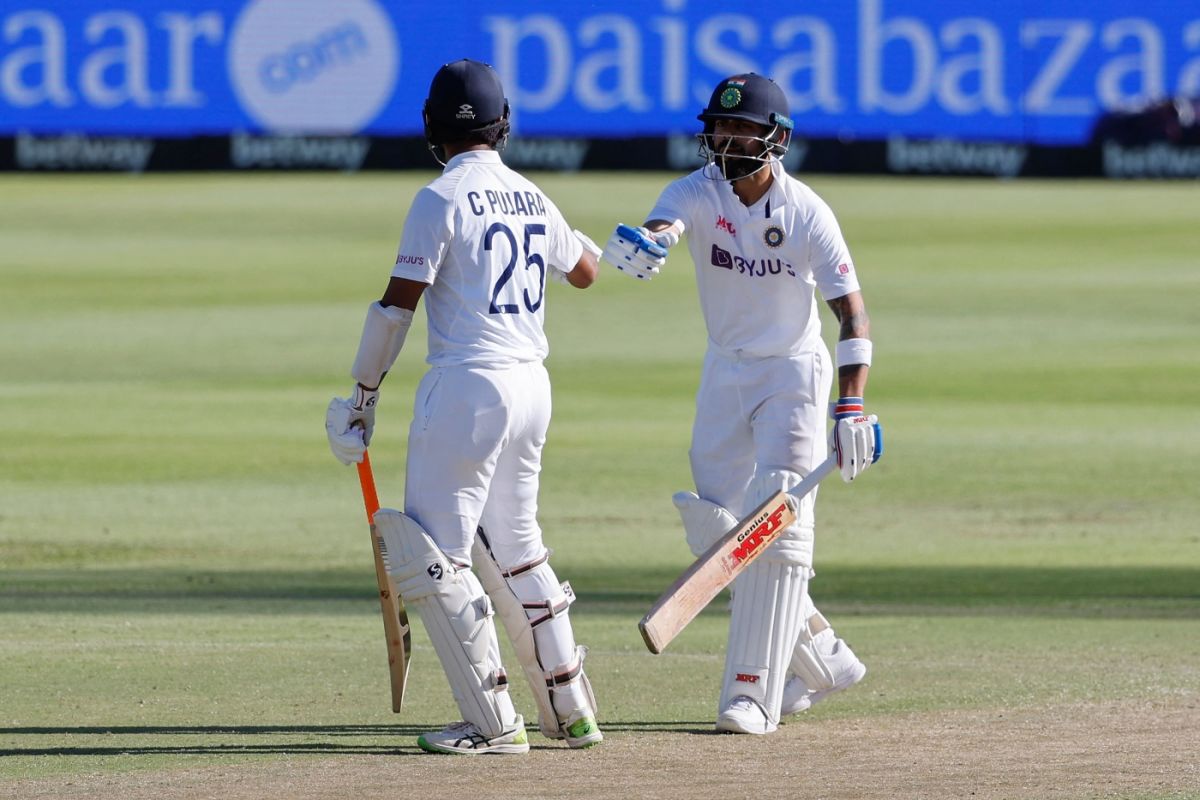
x=1016, y=71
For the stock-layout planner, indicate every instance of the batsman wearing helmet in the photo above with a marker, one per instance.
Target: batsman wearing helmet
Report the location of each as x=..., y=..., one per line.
x=763, y=244
x=479, y=244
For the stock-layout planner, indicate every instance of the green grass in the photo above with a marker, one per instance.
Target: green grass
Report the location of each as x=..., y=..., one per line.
x=184, y=571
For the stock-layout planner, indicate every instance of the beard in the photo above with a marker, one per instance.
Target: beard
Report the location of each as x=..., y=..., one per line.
x=734, y=167
x=736, y=161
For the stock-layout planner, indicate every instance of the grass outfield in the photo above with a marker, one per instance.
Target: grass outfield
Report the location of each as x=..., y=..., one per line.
x=185, y=577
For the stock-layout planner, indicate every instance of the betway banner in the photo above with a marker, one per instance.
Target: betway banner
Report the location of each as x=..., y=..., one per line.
x=1039, y=71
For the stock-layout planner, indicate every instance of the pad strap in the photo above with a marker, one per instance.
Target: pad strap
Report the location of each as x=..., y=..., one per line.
x=570, y=673
x=553, y=606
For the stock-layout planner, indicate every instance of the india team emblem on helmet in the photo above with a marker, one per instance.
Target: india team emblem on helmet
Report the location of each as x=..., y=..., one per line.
x=773, y=236
x=731, y=97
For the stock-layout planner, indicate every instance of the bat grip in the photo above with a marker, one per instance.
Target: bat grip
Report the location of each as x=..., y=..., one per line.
x=367, y=480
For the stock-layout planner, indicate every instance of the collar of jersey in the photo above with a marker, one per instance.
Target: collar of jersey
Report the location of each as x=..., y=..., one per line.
x=474, y=157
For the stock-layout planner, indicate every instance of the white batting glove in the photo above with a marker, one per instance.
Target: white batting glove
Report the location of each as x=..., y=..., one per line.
x=635, y=251
x=350, y=422
x=856, y=438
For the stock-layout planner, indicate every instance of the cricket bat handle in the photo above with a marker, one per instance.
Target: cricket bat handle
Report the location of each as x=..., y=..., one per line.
x=367, y=480
x=813, y=478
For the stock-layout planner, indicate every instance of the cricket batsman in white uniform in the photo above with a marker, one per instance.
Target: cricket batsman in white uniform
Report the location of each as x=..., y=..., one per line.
x=479, y=244
x=763, y=244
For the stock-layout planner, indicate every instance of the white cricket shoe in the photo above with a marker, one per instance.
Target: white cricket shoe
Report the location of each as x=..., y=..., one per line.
x=464, y=737
x=743, y=715
x=846, y=668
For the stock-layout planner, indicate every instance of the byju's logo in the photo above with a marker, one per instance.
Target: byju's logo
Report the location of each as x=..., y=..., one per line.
x=721, y=258
x=311, y=66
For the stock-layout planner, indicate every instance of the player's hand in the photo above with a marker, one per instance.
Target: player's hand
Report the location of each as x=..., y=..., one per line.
x=635, y=251
x=856, y=438
x=350, y=422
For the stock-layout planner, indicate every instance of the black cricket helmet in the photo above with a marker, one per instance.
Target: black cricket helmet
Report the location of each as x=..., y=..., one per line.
x=752, y=98
x=466, y=103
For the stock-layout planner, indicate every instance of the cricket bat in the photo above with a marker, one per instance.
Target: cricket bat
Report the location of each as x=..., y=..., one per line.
x=395, y=618
x=717, y=568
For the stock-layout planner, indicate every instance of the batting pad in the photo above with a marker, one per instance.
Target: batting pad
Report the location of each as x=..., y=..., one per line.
x=457, y=616
x=763, y=628
x=703, y=522
x=533, y=606
x=796, y=543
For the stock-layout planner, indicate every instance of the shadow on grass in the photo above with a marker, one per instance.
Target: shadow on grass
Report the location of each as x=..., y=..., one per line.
x=279, y=733
x=1158, y=591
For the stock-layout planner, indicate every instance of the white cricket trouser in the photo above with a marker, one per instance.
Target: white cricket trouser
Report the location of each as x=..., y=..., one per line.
x=474, y=458
x=474, y=455
x=757, y=412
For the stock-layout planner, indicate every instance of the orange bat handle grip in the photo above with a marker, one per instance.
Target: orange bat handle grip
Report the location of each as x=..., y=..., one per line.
x=367, y=480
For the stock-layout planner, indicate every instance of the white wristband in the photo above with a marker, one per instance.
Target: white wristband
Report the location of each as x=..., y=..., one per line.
x=854, y=351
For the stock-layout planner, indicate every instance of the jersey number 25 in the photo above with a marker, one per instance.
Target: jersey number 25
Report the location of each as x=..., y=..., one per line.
x=531, y=258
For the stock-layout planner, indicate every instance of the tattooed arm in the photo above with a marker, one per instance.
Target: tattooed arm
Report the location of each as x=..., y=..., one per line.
x=851, y=312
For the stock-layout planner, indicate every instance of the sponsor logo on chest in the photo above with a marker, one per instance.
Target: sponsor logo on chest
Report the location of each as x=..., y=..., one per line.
x=750, y=267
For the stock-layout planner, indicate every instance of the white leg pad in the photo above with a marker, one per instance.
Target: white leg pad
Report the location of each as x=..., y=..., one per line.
x=796, y=543
x=767, y=602
x=457, y=616
x=762, y=634
x=533, y=606
x=703, y=522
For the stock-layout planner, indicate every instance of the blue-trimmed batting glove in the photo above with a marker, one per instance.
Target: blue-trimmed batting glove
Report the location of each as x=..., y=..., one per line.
x=635, y=252
x=856, y=438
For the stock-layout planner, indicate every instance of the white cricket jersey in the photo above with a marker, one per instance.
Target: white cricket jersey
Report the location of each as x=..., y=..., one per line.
x=483, y=237
x=757, y=267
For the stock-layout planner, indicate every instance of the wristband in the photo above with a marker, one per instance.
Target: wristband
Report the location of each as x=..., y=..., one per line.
x=854, y=351
x=847, y=407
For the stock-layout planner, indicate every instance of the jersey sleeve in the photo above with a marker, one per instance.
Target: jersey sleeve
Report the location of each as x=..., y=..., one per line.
x=832, y=267
x=563, y=248
x=675, y=203
x=427, y=234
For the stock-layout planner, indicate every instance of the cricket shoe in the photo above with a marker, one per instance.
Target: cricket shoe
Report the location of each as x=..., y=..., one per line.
x=466, y=738
x=580, y=730
x=846, y=668
x=743, y=715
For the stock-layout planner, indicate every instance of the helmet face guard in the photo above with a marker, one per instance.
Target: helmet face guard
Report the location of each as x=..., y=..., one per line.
x=746, y=98
x=737, y=157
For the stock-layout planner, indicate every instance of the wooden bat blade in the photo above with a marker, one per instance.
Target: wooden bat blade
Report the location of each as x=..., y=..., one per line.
x=715, y=569
x=396, y=629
